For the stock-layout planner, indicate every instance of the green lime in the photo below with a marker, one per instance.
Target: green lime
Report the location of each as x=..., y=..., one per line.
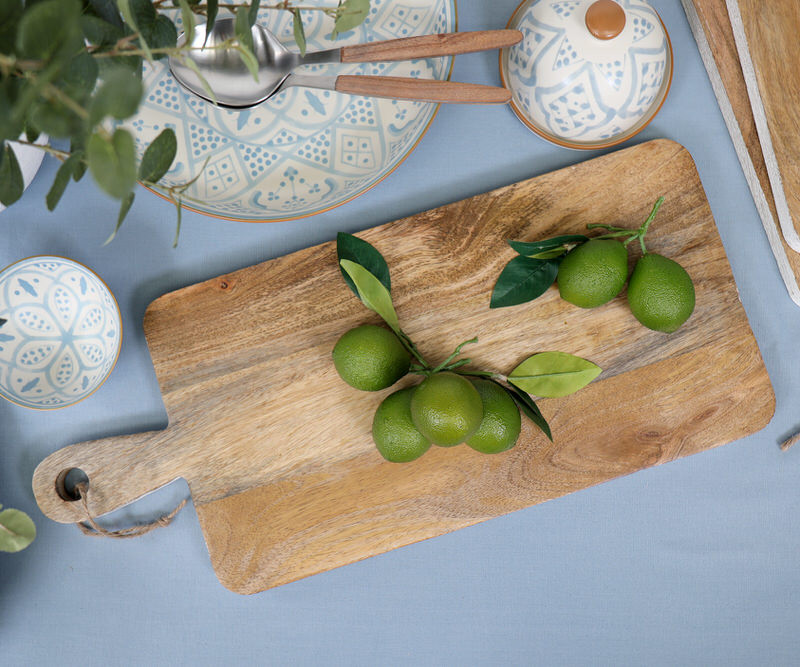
x=593, y=273
x=660, y=293
x=393, y=431
x=446, y=409
x=370, y=358
x=501, y=423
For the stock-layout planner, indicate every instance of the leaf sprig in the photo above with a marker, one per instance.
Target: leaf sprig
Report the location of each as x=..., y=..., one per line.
x=530, y=274
x=71, y=68
x=545, y=375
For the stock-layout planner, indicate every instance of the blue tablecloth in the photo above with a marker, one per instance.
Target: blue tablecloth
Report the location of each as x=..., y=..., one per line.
x=694, y=561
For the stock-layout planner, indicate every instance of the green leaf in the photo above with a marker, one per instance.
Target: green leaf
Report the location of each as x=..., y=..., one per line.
x=187, y=18
x=54, y=118
x=179, y=210
x=125, y=206
x=528, y=407
x=77, y=144
x=249, y=61
x=553, y=374
x=113, y=163
x=252, y=12
x=523, y=279
x=79, y=77
x=156, y=30
x=212, y=7
x=17, y=530
x=299, y=31
x=11, y=123
x=99, y=32
x=349, y=15
x=107, y=10
x=359, y=251
x=49, y=27
x=192, y=65
x=118, y=96
x=65, y=171
x=10, y=13
x=31, y=132
x=372, y=292
x=158, y=157
x=242, y=29
x=11, y=182
x=549, y=248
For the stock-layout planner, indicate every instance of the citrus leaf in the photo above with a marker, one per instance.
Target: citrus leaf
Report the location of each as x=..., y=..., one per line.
x=127, y=202
x=553, y=374
x=549, y=248
x=529, y=408
x=349, y=15
x=113, y=163
x=372, y=292
x=11, y=181
x=64, y=173
x=361, y=252
x=299, y=31
x=523, y=279
x=17, y=530
x=158, y=156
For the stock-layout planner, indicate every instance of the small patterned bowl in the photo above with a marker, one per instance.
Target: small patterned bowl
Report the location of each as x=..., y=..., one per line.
x=588, y=74
x=60, y=332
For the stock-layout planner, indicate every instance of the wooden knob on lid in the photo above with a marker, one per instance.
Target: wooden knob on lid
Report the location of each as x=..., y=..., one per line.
x=605, y=19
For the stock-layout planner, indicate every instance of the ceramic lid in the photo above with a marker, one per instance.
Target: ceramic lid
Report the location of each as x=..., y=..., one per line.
x=588, y=73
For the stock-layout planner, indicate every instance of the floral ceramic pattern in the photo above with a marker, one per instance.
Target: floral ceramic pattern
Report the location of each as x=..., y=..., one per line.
x=60, y=332
x=578, y=88
x=305, y=150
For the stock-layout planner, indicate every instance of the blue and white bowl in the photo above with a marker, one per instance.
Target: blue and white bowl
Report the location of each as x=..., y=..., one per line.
x=60, y=332
x=580, y=90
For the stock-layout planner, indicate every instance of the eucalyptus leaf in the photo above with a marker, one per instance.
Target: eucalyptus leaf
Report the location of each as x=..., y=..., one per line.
x=113, y=163
x=242, y=28
x=99, y=32
x=64, y=173
x=212, y=8
x=78, y=144
x=372, y=292
x=349, y=15
x=179, y=211
x=49, y=27
x=118, y=96
x=523, y=279
x=31, y=131
x=138, y=14
x=299, y=31
x=361, y=252
x=158, y=156
x=17, y=530
x=79, y=77
x=125, y=206
x=187, y=18
x=55, y=118
x=10, y=13
x=252, y=12
x=192, y=65
x=11, y=182
x=528, y=407
x=553, y=374
x=107, y=10
x=548, y=248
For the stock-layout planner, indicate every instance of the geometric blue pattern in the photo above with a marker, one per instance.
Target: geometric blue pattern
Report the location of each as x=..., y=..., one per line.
x=304, y=150
x=576, y=87
x=60, y=332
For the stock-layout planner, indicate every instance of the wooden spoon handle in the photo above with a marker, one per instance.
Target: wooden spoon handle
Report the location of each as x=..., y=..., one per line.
x=430, y=46
x=120, y=470
x=425, y=90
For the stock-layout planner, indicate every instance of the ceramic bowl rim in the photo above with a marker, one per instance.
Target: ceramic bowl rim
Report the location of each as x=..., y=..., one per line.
x=119, y=343
x=666, y=84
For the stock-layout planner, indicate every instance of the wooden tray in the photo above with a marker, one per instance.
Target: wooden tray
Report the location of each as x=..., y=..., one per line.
x=277, y=449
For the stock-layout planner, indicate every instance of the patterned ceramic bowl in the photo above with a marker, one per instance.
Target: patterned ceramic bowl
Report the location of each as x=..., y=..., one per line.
x=304, y=151
x=60, y=332
x=589, y=73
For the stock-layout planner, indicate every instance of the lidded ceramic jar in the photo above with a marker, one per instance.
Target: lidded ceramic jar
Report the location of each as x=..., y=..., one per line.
x=588, y=73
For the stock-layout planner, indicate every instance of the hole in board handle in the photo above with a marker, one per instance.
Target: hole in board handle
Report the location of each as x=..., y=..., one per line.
x=66, y=482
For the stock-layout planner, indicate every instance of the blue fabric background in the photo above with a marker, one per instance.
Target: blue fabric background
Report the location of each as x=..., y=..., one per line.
x=694, y=561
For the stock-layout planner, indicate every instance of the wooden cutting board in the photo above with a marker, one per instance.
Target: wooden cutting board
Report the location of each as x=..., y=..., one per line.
x=715, y=22
x=277, y=449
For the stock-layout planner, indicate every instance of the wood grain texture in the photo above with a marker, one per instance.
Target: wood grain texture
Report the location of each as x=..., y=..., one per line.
x=424, y=90
x=717, y=25
x=277, y=450
x=430, y=46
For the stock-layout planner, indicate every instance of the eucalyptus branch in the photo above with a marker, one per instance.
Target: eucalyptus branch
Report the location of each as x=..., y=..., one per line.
x=47, y=148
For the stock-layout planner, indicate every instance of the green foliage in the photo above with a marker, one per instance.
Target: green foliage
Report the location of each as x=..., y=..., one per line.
x=72, y=69
x=17, y=530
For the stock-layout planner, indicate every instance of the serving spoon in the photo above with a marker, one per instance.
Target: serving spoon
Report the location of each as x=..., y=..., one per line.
x=234, y=87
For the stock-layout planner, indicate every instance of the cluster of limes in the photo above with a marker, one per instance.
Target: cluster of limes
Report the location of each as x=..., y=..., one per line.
x=445, y=409
x=660, y=291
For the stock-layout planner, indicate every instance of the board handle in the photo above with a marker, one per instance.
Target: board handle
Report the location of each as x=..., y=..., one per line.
x=120, y=470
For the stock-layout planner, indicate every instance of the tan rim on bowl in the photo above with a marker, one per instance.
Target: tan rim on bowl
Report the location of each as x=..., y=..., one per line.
x=348, y=200
x=591, y=145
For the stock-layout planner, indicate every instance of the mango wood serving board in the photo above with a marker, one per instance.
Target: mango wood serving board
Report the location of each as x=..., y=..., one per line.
x=277, y=449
